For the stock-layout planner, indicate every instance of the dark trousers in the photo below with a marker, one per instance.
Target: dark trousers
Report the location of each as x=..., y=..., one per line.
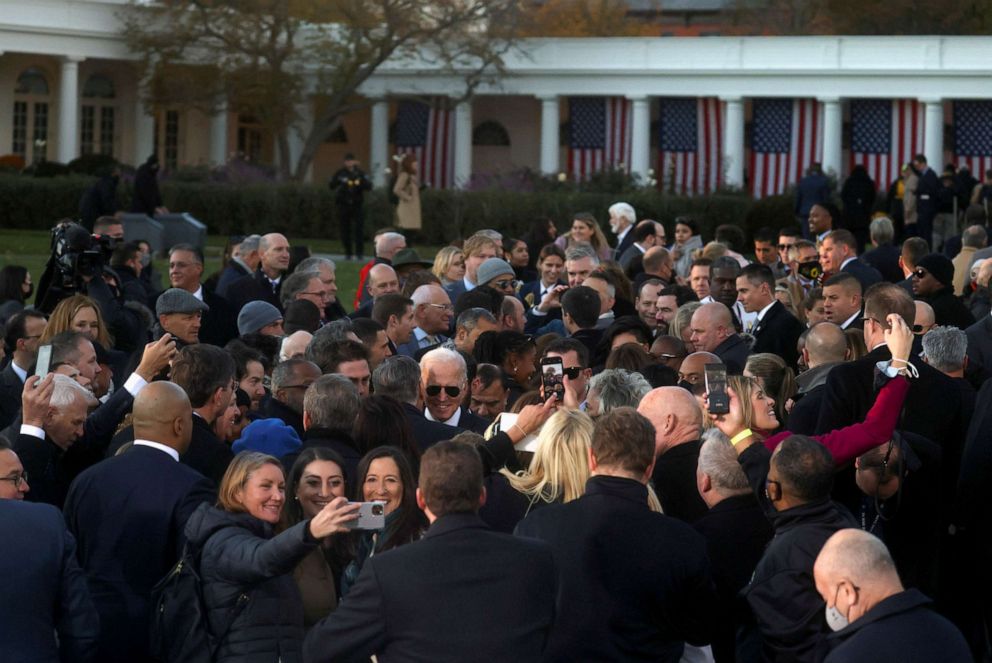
x=351, y=221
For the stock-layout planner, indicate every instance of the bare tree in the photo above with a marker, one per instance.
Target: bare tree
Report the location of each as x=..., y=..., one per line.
x=265, y=58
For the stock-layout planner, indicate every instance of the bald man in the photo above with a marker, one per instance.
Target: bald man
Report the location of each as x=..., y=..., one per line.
x=150, y=495
x=678, y=424
x=826, y=347
x=266, y=283
x=382, y=280
x=874, y=618
x=713, y=331
x=925, y=318
x=692, y=374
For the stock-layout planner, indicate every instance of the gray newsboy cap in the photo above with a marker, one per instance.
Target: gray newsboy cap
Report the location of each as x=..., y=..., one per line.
x=492, y=268
x=177, y=300
x=255, y=315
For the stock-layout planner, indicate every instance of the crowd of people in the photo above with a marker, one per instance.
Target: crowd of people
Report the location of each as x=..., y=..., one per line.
x=407, y=481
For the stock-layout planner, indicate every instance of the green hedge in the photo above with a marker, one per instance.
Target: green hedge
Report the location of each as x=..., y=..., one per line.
x=303, y=210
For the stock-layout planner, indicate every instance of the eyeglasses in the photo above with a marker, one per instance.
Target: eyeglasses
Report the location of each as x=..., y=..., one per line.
x=17, y=479
x=920, y=273
x=574, y=372
x=444, y=307
x=322, y=295
x=509, y=283
x=435, y=390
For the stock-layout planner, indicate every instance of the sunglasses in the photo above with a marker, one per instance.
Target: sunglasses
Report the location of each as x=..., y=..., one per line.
x=574, y=372
x=510, y=283
x=920, y=273
x=435, y=390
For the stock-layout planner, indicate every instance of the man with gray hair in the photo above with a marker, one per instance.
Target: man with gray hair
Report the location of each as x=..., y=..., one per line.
x=613, y=388
x=445, y=381
x=622, y=219
x=736, y=532
x=244, y=261
x=266, y=282
x=580, y=262
x=867, y=605
x=884, y=255
x=471, y=324
x=973, y=239
x=290, y=380
x=678, y=424
x=327, y=271
x=432, y=311
x=399, y=377
x=330, y=404
x=946, y=348
x=305, y=286
x=387, y=245
x=825, y=347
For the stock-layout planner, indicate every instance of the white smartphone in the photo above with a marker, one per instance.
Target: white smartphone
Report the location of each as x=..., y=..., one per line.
x=44, y=361
x=371, y=515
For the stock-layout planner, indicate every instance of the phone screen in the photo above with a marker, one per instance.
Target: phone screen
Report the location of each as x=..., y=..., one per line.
x=44, y=360
x=716, y=388
x=553, y=376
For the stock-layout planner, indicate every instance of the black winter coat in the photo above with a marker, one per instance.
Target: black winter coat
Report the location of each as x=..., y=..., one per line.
x=241, y=556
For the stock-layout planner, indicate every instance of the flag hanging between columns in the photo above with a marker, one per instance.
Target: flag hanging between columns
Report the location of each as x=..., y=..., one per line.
x=428, y=132
x=599, y=134
x=973, y=135
x=885, y=135
x=690, y=145
x=786, y=138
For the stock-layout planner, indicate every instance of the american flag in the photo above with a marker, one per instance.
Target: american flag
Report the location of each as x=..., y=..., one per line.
x=599, y=134
x=428, y=132
x=885, y=135
x=973, y=135
x=786, y=138
x=690, y=157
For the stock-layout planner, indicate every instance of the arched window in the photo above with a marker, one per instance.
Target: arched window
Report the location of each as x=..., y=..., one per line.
x=491, y=133
x=30, y=126
x=98, y=116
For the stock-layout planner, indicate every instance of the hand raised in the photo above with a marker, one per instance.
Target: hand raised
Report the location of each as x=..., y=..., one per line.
x=333, y=518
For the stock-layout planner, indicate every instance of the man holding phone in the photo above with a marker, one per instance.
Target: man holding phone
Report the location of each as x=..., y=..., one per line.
x=576, y=372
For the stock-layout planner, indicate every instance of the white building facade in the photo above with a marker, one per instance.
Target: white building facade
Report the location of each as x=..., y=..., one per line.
x=69, y=86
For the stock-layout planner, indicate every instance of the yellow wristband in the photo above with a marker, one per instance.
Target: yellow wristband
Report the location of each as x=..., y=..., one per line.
x=740, y=437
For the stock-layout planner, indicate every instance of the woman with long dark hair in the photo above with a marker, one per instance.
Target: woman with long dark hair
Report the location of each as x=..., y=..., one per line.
x=382, y=421
x=512, y=351
x=15, y=289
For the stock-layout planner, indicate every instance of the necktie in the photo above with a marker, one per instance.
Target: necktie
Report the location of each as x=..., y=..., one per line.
x=430, y=340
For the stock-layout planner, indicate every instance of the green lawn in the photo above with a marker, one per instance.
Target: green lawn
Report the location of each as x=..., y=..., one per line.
x=31, y=249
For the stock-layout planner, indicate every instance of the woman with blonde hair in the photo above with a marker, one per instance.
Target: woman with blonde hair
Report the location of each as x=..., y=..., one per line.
x=407, y=189
x=586, y=230
x=680, y=327
x=81, y=314
x=777, y=379
x=246, y=570
x=449, y=265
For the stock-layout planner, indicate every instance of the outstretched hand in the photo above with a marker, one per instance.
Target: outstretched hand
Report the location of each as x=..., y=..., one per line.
x=333, y=518
x=899, y=337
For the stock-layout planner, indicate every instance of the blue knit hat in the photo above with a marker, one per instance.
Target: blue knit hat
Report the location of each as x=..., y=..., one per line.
x=268, y=436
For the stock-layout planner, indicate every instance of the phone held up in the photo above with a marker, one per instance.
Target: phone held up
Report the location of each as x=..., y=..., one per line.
x=371, y=515
x=44, y=361
x=553, y=377
x=716, y=388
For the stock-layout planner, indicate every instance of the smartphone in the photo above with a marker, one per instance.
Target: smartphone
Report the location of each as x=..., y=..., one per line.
x=371, y=515
x=716, y=388
x=44, y=361
x=552, y=377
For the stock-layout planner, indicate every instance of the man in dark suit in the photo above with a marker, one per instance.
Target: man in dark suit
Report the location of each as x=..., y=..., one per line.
x=647, y=589
x=645, y=235
x=290, y=380
x=839, y=253
x=580, y=308
x=52, y=617
x=736, y=531
x=933, y=283
x=329, y=409
x=382, y=280
x=980, y=348
x=825, y=347
x=23, y=330
x=713, y=331
x=265, y=284
x=776, y=330
x=927, y=194
x=677, y=425
x=218, y=324
x=445, y=379
x=206, y=374
x=842, y=301
x=439, y=598
x=151, y=495
x=244, y=261
x=399, y=377
x=622, y=220
x=813, y=189
x=885, y=255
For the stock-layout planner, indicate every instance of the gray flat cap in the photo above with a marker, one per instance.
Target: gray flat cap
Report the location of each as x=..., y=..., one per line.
x=177, y=300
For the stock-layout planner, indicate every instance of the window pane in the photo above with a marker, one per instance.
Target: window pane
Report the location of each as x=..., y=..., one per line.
x=20, y=138
x=107, y=130
x=98, y=86
x=31, y=81
x=86, y=130
x=40, y=131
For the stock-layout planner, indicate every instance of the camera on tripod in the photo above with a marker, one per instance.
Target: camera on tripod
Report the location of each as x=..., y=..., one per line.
x=77, y=256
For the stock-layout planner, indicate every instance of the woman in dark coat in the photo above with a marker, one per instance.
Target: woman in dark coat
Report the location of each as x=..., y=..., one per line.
x=252, y=602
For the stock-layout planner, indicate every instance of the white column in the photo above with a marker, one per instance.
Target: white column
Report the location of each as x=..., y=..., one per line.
x=69, y=109
x=640, y=136
x=549, y=135
x=463, y=143
x=832, y=129
x=933, y=137
x=733, y=136
x=218, y=135
x=144, y=132
x=298, y=136
x=379, y=152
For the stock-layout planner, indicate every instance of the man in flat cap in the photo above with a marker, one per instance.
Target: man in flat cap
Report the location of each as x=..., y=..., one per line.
x=179, y=313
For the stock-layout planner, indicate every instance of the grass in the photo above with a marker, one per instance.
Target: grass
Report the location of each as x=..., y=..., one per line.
x=31, y=249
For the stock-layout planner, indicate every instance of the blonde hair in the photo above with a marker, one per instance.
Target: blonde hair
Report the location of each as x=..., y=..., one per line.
x=683, y=318
x=778, y=378
x=444, y=259
x=61, y=320
x=560, y=467
x=237, y=475
x=744, y=388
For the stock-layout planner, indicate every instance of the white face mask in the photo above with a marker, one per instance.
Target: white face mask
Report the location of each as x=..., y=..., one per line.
x=835, y=620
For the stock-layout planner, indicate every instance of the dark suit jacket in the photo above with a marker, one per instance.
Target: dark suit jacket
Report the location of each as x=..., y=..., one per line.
x=885, y=259
x=231, y=273
x=674, y=482
x=980, y=348
x=52, y=618
x=455, y=289
x=927, y=192
x=865, y=273
x=733, y=352
x=206, y=453
x=949, y=309
x=634, y=585
x=473, y=422
x=778, y=333
x=363, y=311
x=627, y=256
x=150, y=497
x=220, y=324
x=628, y=242
x=439, y=599
x=590, y=338
x=428, y=433
x=270, y=408
x=10, y=396
x=253, y=287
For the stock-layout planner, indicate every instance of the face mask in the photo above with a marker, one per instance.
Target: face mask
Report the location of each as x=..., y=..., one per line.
x=685, y=384
x=146, y=259
x=810, y=270
x=835, y=620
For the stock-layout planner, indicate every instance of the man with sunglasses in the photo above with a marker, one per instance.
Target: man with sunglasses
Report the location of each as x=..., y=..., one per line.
x=933, y=282
x=574, y=357
x=432, y=313
x=445, y=381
